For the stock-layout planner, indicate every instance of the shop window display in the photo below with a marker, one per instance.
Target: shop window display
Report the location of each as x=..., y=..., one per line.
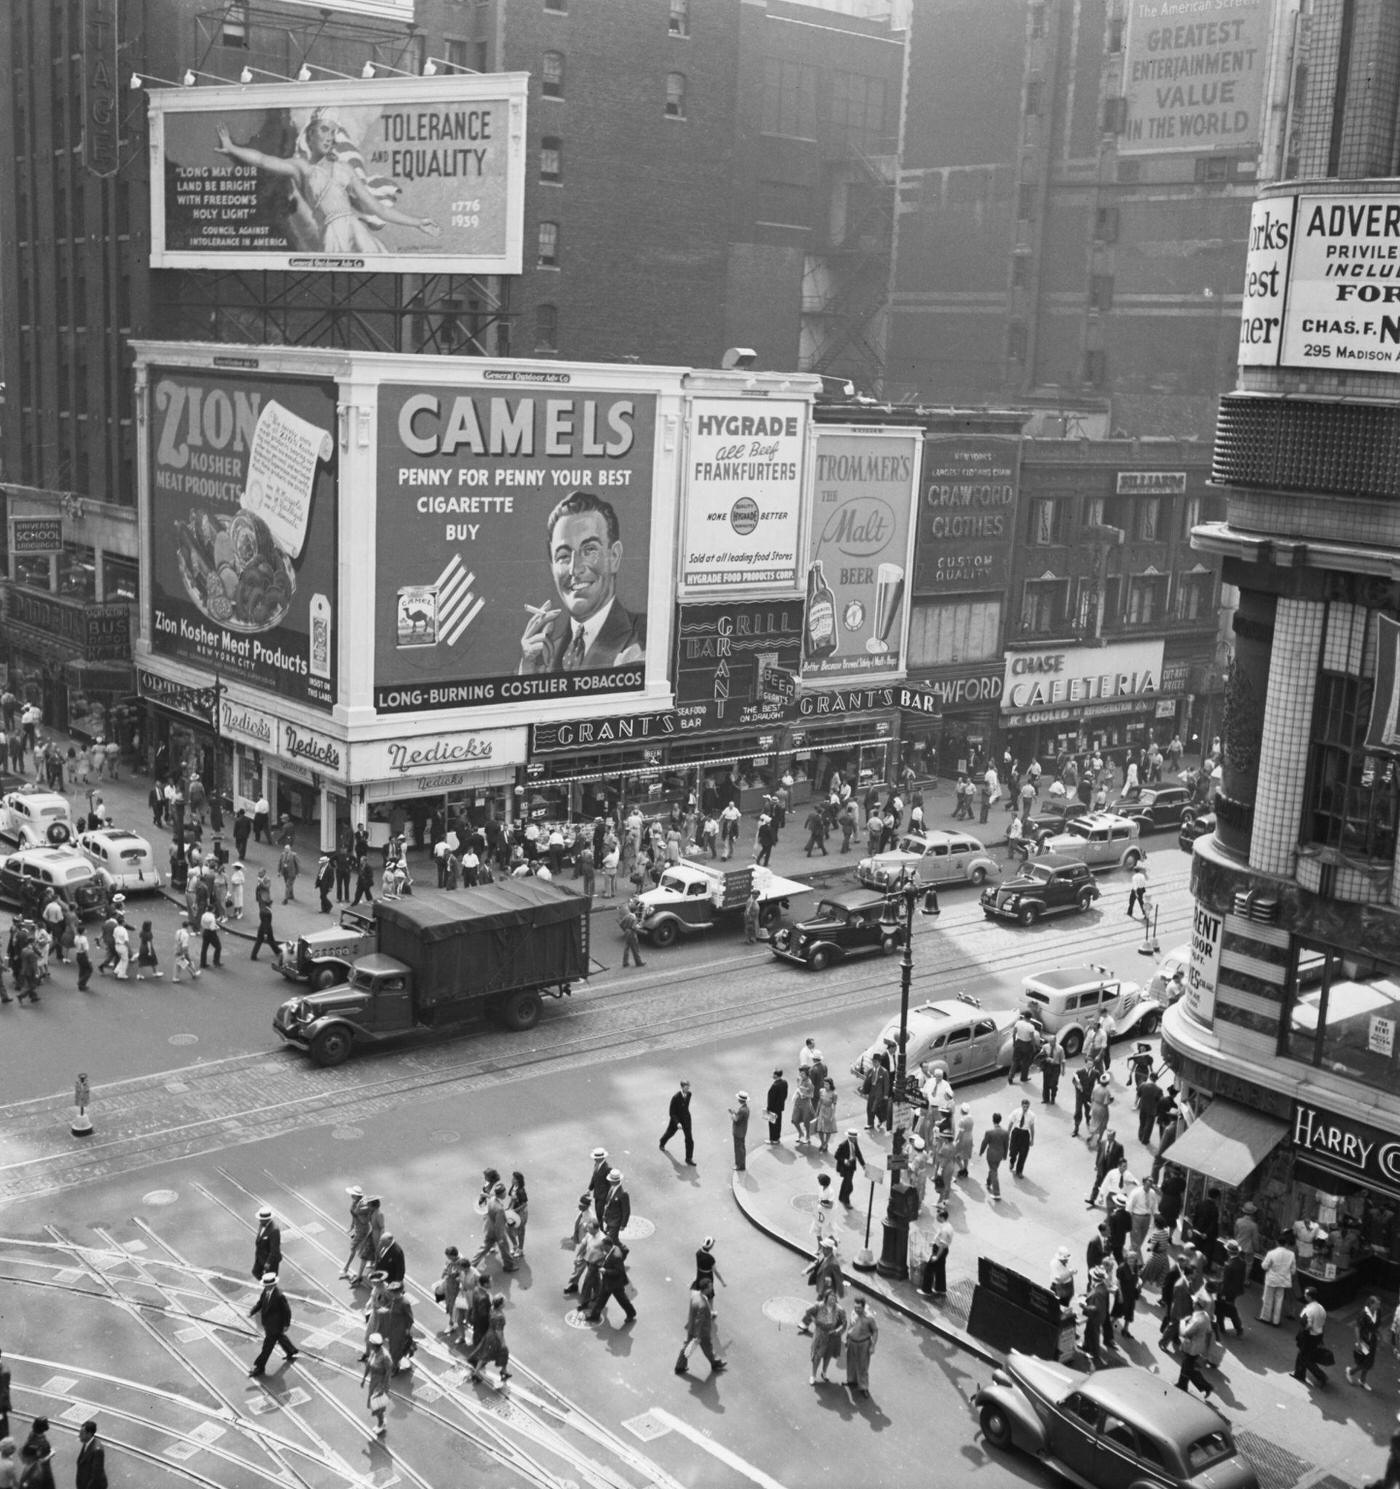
x=1343, y=1015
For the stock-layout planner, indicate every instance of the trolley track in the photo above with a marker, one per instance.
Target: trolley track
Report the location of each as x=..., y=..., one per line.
x=616, y=1020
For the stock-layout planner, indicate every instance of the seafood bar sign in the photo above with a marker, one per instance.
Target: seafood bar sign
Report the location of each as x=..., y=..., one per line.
x=241, y=524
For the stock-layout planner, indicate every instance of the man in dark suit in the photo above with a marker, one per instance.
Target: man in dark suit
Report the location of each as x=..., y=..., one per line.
x=598, y=1181
x=92, y=1459
x=679, y=1121
x=617, y=1206
x=589, y=629
x=849, y=1160
x=390, y=1260
x=276, y=1314
x=267, y=1244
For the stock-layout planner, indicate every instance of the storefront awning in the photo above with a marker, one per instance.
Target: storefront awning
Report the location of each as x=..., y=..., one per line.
x=1227, y=1142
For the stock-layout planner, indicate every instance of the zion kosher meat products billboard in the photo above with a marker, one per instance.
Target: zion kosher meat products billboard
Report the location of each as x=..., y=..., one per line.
x=405, y=175
x=241, y=527
x=512, y=543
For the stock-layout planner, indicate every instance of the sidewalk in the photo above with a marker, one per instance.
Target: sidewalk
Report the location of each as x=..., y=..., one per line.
x=1294, y=1434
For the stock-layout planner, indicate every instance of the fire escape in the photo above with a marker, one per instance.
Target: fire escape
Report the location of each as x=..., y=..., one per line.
x=845, y=284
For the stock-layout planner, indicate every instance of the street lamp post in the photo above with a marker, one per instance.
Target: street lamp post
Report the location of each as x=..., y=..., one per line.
x=894, y=1251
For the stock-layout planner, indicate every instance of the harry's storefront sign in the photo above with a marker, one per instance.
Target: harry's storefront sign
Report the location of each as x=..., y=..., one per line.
x=1356, y=1150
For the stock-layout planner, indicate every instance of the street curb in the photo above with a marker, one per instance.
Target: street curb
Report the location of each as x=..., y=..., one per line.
x=872, y=1288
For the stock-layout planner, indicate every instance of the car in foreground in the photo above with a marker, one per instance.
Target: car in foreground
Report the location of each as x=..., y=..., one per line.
x=1068, y=1001
x=27, y=876
x=124, y=857
x=1156, y=808
x=846, y=924
x=956, y=1032
x=1099, y=839
x=1041, y=887
x=1193, y=828
x=35, y=819
x=931, y=858
x=1111, y=1429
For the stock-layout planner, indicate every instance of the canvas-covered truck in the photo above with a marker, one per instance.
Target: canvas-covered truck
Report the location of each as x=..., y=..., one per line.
x=695, y=897
x=444, y=959
x=324, y=958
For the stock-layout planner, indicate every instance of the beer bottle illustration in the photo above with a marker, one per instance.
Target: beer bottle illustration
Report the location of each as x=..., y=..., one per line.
x=819, y=634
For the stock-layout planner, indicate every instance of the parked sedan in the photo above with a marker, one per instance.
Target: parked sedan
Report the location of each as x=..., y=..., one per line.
x=1044, y=886
x=955, y=1032
x=1193, y=828
x=857, y=921
x=125, y=857
x=1112, y=1428
x=932, y=858
x=1157, y=807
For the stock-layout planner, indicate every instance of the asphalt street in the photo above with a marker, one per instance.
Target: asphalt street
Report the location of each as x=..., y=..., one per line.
x=127, y=1256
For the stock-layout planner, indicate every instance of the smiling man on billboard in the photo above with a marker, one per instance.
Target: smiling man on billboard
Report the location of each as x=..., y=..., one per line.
x=592, y=630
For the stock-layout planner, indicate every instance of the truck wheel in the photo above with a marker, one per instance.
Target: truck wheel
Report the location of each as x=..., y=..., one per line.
x=1028, y=914
x=332, y=1047
x=665, y=934
x=769, y=914
x=1072, y=1043
x=819, y=959
x=889, y=945
x=324, y=977
x=996, y=1428
x=520, y=1010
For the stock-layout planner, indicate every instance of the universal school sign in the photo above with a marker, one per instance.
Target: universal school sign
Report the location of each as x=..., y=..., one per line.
x=1322, y=283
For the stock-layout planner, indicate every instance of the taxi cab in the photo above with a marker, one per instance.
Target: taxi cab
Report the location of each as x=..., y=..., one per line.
x=124, y=857
x=35, y=819
x=958, y=1033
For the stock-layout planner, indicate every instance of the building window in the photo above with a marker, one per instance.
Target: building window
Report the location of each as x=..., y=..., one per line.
x=1095, y=368
x=1349, y=801
x=1195, y=593
x=1147, y=512
x=1025, y=201
x=675, y=95
x=551, y=158
x=546, y=328
x=1020, y=270
x=789, y=98
x=1115, y=36
x=1115, y=115
x=233, y=29
x=1016, y=341
x=1190, y=516
x=1037, y=20
x=118, y=578
x=679, y=22
x=1147, y=599
x=858, y=106
x=1213, y=169
x=552, y=75
x=1106, y=224
x=1101, y=292
x=459, y=55
x=1049, y=523
x=558, y=6
x=548, y=257
x=1044, y=606
x=1035, y=96
x=1342, y=1011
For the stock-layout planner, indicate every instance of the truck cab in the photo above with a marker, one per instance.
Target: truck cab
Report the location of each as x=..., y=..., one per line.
x=376, y=1000
x=324, y=958
x=694, y=897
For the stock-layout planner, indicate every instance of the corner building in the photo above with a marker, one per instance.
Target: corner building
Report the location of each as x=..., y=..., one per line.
x=1285, y=1044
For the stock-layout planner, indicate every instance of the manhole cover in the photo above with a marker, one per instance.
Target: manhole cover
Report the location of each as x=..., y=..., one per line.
x=446, y=1135
x=160, y=1197
x=576, y=1320
x=785, y=1311
x=646, y=1427
x=347, y=1134
x=807, y=1203
x=638, y=1229
x=183, y=1039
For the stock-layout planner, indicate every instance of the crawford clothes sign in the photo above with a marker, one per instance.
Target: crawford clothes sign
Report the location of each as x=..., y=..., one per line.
x=967, y=513
x=743, y=493
x=1193, y=74
x=1321, y=283
x=241, y=527
x=403, y=175
x=1081, y=677
x=1345, y=1146
x=512, y=544
x=857, y=584
x=722, y=654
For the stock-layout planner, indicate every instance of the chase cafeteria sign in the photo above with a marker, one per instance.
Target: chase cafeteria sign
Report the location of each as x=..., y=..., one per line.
x=1083, y=677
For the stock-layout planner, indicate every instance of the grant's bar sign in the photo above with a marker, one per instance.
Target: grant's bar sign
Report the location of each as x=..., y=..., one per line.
x=605, y=733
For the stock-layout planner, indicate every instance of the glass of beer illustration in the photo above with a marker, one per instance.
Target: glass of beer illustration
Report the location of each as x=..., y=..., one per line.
x=889, y=595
